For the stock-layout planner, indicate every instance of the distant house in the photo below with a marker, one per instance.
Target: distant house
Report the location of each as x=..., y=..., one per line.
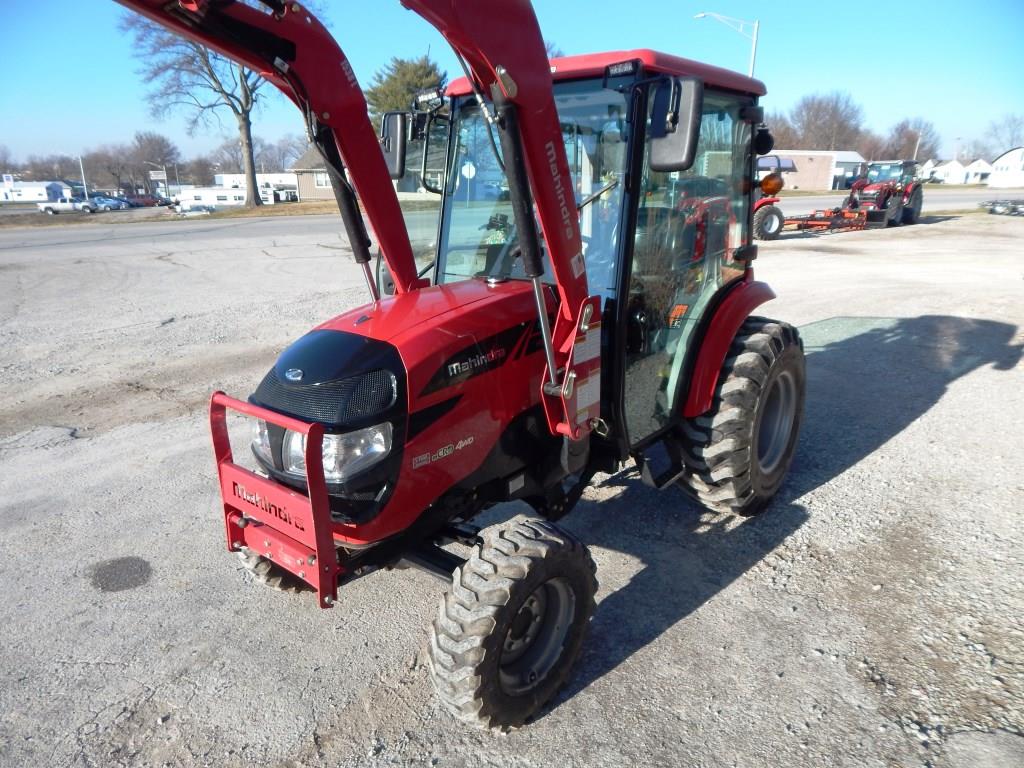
x=820, y=169
x=977, y=172
x=34, y=191
x=1008, y=169
x=311, y=177
x=926, y=169
x=950, y=172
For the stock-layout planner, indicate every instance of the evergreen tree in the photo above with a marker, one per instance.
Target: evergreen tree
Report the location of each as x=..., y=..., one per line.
x=395, y=86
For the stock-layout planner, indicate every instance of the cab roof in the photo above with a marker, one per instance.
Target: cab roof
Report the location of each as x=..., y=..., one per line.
x=593, y=64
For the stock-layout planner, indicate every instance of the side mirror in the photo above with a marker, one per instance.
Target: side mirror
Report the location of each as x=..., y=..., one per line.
x=435, y=145
x=394, y=129
x=764, y=142
x=675, y=123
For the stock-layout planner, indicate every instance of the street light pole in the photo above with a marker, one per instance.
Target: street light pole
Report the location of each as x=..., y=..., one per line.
x=85, y=188
x=738, y=25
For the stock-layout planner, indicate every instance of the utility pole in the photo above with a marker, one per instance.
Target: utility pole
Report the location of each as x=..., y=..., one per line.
x=81, y=167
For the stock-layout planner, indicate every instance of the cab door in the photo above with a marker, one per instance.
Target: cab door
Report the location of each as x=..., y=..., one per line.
x=690, y=227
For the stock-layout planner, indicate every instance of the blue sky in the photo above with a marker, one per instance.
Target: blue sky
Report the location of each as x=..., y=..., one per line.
x=69, y=79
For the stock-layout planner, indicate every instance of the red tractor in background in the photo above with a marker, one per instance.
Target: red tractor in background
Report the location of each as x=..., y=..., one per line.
x=520, y=360
x=886, y=192
x=891, y=186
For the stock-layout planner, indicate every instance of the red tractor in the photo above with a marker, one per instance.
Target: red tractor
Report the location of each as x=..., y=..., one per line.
x=891, y=186
x=587, y=302
x=885, y=193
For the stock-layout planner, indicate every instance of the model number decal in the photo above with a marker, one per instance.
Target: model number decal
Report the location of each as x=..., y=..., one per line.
x=441, y=453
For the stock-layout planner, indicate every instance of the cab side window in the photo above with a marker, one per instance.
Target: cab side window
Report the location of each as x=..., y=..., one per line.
x=690, y=224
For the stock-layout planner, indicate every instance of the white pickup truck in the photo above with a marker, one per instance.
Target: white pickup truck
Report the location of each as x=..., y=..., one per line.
x=66, y=205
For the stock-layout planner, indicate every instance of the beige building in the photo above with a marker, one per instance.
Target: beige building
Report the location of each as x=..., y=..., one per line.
x=311, y=177
x=819, y=169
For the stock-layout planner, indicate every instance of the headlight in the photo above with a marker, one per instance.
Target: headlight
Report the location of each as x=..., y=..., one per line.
x=261, y=441
x=344, y=455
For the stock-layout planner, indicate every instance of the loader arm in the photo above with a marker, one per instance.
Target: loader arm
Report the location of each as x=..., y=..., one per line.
x=288, y=46
x=504, y=50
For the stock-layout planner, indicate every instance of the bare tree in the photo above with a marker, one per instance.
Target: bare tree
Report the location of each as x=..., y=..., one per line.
x=186, y=76
x=782, y=131
x=198, y=171
x=552, y=49
x=151, y=151
x=979, y=148
x=7, y=164
x=912, y=135
x=1006, y=133
x=827, y=121
x=871, y=145
x=50, y=167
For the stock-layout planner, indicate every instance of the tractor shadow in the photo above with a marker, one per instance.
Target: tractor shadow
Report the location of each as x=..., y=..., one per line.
x=868, y=379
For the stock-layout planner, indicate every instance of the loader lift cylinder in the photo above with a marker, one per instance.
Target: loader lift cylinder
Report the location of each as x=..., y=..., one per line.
x=522, y=210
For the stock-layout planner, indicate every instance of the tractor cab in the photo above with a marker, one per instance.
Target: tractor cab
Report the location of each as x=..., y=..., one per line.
x=660, y=244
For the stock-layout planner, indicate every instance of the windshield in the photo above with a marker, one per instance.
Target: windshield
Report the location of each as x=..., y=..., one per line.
x=885, y=171
x=478, y=233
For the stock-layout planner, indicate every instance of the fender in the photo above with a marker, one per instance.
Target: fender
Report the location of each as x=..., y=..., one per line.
x=765, y=201
x=730, y=315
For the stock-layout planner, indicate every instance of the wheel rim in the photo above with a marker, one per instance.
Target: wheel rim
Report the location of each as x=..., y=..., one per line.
x=536, y=639
x=772, y=223
x=777, y=417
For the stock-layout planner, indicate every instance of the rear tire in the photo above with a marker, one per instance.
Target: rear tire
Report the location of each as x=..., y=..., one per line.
x=513, y=623
x=738, y=453
x=912, y=211
x=49, y=212
x=268, y=574
x=768, y=222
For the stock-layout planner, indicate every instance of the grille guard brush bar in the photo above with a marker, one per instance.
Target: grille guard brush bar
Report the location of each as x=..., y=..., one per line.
x=291, y=529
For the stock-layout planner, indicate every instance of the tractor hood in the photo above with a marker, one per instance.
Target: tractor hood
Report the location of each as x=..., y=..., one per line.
x=385, y=319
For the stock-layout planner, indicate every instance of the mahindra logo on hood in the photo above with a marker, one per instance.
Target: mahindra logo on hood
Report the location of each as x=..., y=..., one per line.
x=267, y=506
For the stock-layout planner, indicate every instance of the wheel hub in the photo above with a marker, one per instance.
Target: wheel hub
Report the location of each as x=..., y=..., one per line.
x=536, y=637
x=778, y=414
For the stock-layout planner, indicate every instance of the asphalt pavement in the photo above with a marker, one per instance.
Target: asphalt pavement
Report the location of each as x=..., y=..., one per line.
x=870, y=618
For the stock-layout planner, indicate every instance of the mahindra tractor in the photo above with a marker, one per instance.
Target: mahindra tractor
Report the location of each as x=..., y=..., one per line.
x=891, y=186
x=586, y=302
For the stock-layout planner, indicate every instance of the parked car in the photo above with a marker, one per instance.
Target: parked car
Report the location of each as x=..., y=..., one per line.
x=104, y=203
x=148, y=201
x=66, y=205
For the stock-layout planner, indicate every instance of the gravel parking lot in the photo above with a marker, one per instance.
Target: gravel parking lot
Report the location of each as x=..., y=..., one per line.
x=871, y=617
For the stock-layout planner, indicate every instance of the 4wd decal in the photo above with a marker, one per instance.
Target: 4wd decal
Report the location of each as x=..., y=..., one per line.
x=441, y=453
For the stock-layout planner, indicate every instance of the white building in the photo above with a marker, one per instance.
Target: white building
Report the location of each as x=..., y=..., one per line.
x=950, y=172
x=926, y=169
x=272, y=180
x=219, y=197
x=33, y=191
x=978, y=171
x=1008, y=169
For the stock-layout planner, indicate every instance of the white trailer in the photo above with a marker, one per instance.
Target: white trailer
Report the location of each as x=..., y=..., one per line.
x=218, y=197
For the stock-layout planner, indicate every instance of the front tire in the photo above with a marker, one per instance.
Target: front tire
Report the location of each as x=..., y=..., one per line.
x=912, y=211
x=768, y=222
x=738, y=453
x=513, y=623
x=268, y=574
x=894, y=210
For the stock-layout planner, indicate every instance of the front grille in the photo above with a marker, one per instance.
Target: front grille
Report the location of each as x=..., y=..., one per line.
x=335, y=403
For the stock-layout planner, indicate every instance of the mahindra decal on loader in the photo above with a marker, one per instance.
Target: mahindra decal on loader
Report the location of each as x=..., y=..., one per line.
x=622, y=322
